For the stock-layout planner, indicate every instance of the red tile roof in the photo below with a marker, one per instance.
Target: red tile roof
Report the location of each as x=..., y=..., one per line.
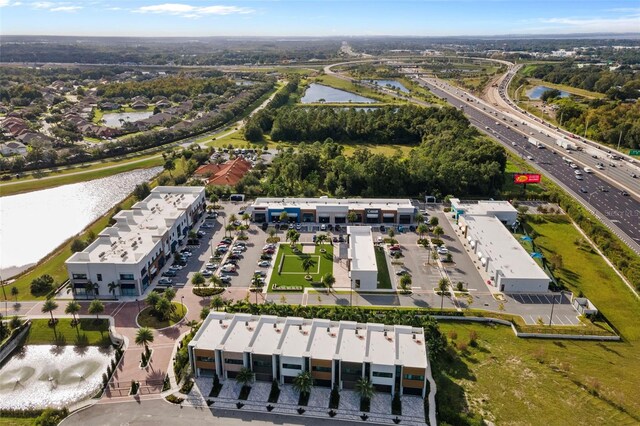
x=228, y=173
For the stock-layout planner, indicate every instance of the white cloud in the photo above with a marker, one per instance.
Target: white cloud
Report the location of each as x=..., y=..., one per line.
x=189, y=11
x=629, y=23
x=56, y=7
x=65, y=8
x=4, y=3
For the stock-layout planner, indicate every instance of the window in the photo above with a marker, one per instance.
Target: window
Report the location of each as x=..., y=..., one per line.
x=79, y=276
x=321, y=369
x=126, y=276
x=291, y=366
x=233, y=361
x=414, y=377
x=357, y=283
x=261, y=363
x=99, y=277
x=355, y=371
x=205, y=359
x=381, y=374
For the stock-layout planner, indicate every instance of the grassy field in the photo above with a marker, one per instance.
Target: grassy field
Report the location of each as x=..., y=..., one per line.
x=384, y=280
x=573, y=90
x=88, y=333
x=17, y=421
x=146, y=319
x=517, y=165
x=292, y=273
x=535, y=382
x=88, y=172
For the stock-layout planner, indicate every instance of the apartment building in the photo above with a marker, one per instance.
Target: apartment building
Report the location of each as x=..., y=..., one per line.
x=336, y=353
x=124, y=258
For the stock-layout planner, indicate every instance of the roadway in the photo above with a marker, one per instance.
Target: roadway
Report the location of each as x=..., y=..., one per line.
x=598, y=191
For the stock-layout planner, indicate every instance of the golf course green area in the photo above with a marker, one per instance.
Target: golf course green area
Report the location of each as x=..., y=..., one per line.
x=289, y=265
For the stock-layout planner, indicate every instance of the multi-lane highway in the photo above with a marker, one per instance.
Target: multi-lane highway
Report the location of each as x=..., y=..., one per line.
x=599, y=193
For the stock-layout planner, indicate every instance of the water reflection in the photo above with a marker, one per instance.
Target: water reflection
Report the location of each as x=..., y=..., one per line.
x=34, y=224
x=317, y=92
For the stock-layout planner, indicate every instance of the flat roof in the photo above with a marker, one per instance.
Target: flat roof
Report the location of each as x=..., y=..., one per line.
x=411, y=352
x=296, y=337
x=499, y=245
x=139, y=230
x=362, y=203
x=361, y=251
x=352, y=346
x=212, y=331
x=240, y=334
x=483, y=207
x=267, y=337
x=323, y=343
x=381, y=348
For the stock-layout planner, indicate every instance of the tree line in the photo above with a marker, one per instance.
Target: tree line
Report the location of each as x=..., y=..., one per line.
x=167, y=86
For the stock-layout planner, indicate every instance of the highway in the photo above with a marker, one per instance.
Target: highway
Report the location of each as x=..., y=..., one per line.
x=598, y=192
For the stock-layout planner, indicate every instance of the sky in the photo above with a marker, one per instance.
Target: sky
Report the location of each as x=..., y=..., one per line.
x=316, y=17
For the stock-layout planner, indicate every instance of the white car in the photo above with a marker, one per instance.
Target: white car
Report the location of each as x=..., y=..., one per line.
x=206, y=273
x=225, y=278
x=443, y=250
x=165, y=281
x=264, y=263
x=212, y=266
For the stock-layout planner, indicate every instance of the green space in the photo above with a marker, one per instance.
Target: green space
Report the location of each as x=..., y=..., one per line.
x=384, y=279
x=573, y=90
x=17, y=421
x=349, y=86
x=147, y=318
x=510, y=189
x=292, y=272
x=89, y=332
x=585, y=271
x=534, y=381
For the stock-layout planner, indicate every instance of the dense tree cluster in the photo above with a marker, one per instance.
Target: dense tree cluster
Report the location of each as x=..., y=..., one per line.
x=622, y=83
x=167, y=86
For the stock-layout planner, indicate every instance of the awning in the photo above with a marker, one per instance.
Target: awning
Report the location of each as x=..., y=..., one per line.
x=479, y=255
x=483, y=261
x=473, y=244
x=372, y=215
x=153, y=270
x=388, y=215
x=469, y=238
x=323, y=216
x=341, y=215
x=290, y=214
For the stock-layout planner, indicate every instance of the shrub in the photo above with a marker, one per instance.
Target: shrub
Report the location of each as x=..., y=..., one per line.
x=187, y=386
x=15, y=323
x=473, y=338
x=275, y=392
x=453, y=335
x=244, y=393
x=396, y=404
x=462, y=347
x=51, y=417
x=215, y=390
x=42, y=285
x=437, y=241
x=334, y=399
x=174, y=399
x=166, y=385
x=207, y=291
x=277, y=287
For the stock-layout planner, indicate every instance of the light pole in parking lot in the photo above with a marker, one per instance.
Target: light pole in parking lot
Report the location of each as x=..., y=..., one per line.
x=138, y=303
x=182, y=303
x=553, y=304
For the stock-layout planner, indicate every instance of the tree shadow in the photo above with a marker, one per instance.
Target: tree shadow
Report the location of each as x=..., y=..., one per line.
x=420, y=303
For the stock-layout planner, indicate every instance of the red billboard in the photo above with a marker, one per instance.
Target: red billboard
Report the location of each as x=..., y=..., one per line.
x=522, y=178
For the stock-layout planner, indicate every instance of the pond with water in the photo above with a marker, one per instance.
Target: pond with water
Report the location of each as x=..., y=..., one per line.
x=112, y=119
x=536, y=92
x=317, y=92
x=35, y=223
x=41, y=376
x=391, y=84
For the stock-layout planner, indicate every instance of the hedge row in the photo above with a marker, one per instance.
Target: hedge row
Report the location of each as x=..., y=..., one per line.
x=207, y=291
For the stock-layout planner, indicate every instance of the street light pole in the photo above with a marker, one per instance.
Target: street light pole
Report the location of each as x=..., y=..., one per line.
x=553, y=304
x=182, y=303
x=4, y=292
x=138, y=303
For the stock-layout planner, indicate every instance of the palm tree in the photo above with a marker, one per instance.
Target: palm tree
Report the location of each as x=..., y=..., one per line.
x=14, y=293
x=229, y=228
x=112, y=288
x=283, y=216
x=272, y=232
x=434, y=221
x=352, y=217
x=364, y=388
x=443, y=285
x=204, y=313
x=405, y=282
x=246, y=217
x=328, y=280
x=303, y=382
x=96, y=307
x=289, y=234
x=169, y=294
x=422, y=229
x=89, y=288
x=169, y=165
x=144, y=336
x=438, y=231
x=191, y=324
x=233, y=218
x=216, y=281
x=152, y=299
x=217, y=303
x=197, y=279
x=245, y=376
x=73, y=308
x=295, y=236
x=419, y=218
x=308, y=263
x=163, y=308
x=49, y=306
x=321, y=239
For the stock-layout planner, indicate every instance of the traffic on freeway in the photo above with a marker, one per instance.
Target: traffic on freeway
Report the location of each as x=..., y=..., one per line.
x=616, y=207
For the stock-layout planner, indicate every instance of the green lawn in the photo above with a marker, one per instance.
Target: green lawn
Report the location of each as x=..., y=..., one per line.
x=536, y=382
x=586, y=271
x=292, y=273
x=146, y=319
x=88, y=333
x=517, y=165
x=384, y=280
x=17, y=421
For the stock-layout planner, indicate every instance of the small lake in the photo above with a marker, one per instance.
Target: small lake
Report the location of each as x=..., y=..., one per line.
x=391, y=84
x=33, y=224
x=537, y=91
x=112, y=119
x=316, y=92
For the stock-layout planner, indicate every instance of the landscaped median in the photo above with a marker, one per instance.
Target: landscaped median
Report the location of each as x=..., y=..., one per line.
x=151, y=317
x=289, y=273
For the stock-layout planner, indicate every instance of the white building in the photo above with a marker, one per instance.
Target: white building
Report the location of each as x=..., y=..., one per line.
x=362, y=265
x=126, y=257
x=393, y=358
x=333, y=210
x=510, y=267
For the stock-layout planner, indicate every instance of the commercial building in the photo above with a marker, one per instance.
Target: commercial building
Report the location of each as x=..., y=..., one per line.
x=334, y=210
x=393, y=358
x=361, y=258
x=229, y=173
x=510, y=267
x=126, y=257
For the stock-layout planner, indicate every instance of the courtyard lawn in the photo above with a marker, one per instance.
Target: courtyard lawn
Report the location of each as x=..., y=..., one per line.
x=292, y=273
x=384, y=280
x=88, y=333
x=146, y=319
x=534, y=381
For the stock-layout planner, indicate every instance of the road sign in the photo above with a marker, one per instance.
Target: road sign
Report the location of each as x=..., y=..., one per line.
x=523, y=178
x=634, y=152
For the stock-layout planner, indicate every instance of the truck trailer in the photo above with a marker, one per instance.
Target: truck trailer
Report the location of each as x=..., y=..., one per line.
x=535, y=142
x=566, y=144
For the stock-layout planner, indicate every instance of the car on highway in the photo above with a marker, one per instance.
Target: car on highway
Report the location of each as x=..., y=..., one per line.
x=624, y=193
x=583, y=190
x=529, y=157
x=633, y=175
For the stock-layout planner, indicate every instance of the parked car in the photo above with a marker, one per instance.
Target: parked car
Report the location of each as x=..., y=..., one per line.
x=443, y=250
x=260, y=272
x=229, y=268
x=165, y=281
x=266, y=257
x=323, y=227
x=382, y=228
x=212, y=266
x=169, y=273
x=334, y=239
x=234, y=256
x=402, y=271
x=268, y=251
x=227, y=240
x=222, y=249
x=264, y=263
x=264, y=226
x=206, y=273
x=225, y=279
x=341, y=238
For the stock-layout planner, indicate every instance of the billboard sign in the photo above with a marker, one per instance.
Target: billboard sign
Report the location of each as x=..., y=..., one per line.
x=523, y=178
